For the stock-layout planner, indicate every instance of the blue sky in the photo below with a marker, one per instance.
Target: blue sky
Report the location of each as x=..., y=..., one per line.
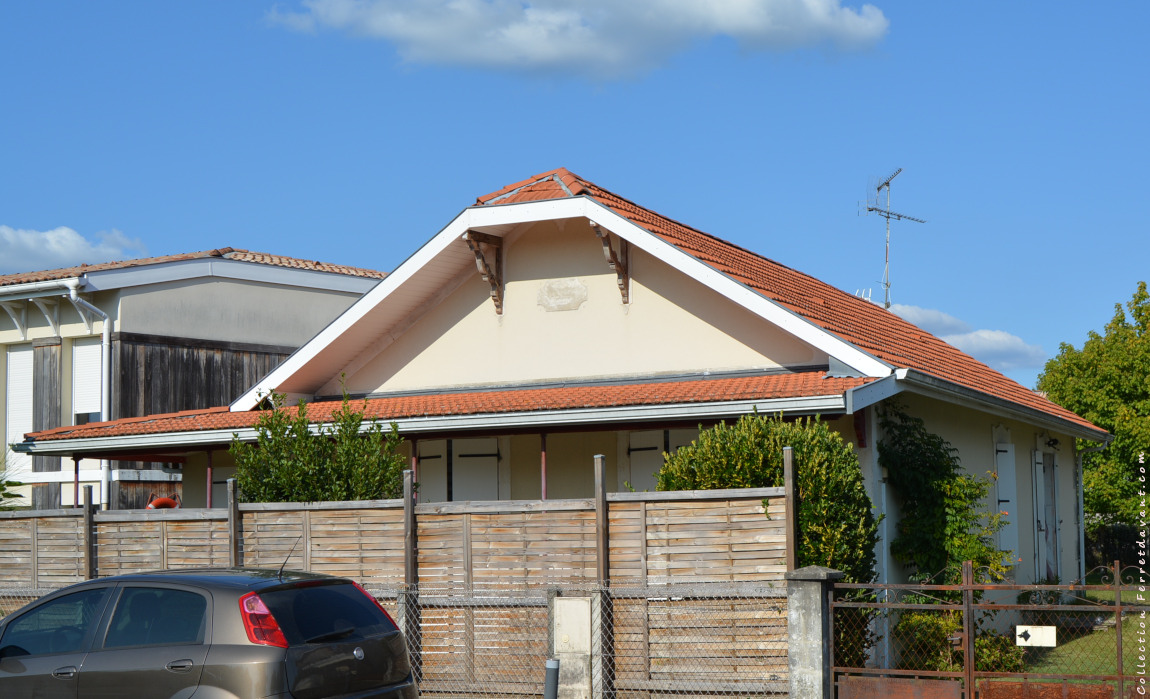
x=350, y=132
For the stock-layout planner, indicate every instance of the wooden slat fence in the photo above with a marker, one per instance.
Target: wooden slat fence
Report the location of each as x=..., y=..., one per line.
x=485, y=573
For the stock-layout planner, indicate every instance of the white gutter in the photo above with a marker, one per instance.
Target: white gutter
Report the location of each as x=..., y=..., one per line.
x=196, y=440
x=17, y=292
x=105, y=380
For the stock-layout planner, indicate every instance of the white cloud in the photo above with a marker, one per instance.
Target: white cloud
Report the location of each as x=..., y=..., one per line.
x=591, y=38
x=23, y=250
x=996, y=348
x=933, y=321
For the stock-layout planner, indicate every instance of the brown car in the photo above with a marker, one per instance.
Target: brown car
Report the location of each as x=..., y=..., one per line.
x=216, y=633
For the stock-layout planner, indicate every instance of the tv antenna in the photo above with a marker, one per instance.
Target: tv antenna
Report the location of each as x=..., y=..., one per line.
x=874, y=206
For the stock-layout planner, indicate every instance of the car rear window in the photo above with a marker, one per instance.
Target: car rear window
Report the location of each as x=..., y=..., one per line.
x=318, y=613
x=147, y=616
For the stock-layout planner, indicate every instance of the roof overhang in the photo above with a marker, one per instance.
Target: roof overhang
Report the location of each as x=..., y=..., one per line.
x=918, y=382
x=591, y=418
x=437, y=267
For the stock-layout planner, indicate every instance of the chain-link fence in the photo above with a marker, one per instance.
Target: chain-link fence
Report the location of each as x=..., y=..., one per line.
x=13, y=596
x=1033, y=640
x=668, y=640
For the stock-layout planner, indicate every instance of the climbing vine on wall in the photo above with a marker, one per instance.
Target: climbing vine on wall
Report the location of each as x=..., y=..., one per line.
x=945, y=520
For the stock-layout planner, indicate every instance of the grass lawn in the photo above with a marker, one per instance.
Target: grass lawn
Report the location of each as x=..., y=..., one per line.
x=1094, y=652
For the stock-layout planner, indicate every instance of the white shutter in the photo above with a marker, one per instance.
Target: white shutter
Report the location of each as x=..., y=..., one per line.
x=18, y=415
x=86, y=376
x=1038, y=483
x=475, y=469
x=1007, y=487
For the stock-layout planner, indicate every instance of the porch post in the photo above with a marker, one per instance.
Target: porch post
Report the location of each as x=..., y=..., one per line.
x=809, y=628
x=543, y=466
x=211, y=475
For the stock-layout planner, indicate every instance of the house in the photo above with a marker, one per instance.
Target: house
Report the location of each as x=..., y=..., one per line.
x=554, y=320
x=127, y=339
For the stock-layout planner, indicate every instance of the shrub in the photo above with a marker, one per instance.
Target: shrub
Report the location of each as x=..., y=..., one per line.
x=835, y=525
x=292, y=463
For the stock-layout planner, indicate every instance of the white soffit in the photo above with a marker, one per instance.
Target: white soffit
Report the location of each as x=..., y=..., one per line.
x=438, y=262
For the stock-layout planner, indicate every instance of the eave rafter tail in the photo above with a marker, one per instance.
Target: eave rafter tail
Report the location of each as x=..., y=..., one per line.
x=481, y=245
x=617, y=262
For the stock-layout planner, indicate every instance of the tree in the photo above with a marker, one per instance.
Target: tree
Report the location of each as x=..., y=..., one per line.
x=292, y=462
x=9, y=499
x=835, y=525
x=1108, y=383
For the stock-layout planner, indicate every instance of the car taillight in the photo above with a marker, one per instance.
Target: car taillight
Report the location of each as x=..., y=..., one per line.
x=375, y=602
x=261, y=626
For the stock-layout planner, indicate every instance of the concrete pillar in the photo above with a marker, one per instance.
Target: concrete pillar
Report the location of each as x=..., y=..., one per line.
x=571, y=633
x=809, y=629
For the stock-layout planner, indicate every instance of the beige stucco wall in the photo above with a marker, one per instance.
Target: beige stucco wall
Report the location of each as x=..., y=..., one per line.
x=974, y=434
x=673, y=325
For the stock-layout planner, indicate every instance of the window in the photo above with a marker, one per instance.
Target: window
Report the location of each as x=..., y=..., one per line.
x=57, y=626
x=156, y=616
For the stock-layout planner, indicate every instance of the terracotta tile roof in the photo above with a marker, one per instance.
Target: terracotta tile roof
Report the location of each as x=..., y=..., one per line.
x=762, y=387
x=866, y=325
x=225, y=253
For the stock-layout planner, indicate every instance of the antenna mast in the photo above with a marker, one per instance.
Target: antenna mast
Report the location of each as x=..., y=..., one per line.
x=888, y=215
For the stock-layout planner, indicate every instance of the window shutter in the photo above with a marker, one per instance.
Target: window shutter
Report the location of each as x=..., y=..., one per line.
x=86, y=376
x=18, y=415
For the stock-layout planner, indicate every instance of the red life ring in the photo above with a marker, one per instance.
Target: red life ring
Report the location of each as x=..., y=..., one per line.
x=155, y=503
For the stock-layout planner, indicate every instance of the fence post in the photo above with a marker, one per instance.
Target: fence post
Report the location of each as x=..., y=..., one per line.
x=789, y=499
x=89, y=536
x=809, y=630
x=235, y=557
x=603, y=655
x=409, y=598
x=968, y=627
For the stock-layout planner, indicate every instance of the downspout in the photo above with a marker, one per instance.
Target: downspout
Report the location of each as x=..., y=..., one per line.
x=105, y=380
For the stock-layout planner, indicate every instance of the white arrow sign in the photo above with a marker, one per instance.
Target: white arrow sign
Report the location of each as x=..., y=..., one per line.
x=1036, y=636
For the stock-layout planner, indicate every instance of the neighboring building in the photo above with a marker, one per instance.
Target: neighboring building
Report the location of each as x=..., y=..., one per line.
x=127, y=339
x=554, y=320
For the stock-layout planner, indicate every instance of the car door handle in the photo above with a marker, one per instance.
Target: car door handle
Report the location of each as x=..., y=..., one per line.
x=180, y=665
x=64, y=673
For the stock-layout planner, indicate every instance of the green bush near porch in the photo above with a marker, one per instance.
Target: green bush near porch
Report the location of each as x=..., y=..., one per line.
x=835, y=525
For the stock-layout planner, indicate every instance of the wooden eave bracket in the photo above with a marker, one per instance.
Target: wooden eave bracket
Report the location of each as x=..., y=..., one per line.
x=18, y=312
x=492, y=272
x=51, y=311
x=617, y=262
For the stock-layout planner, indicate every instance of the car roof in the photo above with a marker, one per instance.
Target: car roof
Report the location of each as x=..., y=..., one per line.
x=236, y=578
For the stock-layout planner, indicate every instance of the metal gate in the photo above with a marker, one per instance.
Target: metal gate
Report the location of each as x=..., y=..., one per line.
x=1078, y=641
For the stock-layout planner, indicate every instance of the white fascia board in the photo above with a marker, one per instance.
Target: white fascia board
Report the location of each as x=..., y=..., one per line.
x=914, y=381
x=861, y=397
x=485, y=421
x=354, y=314
x=502, y=215
x=224, y=268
